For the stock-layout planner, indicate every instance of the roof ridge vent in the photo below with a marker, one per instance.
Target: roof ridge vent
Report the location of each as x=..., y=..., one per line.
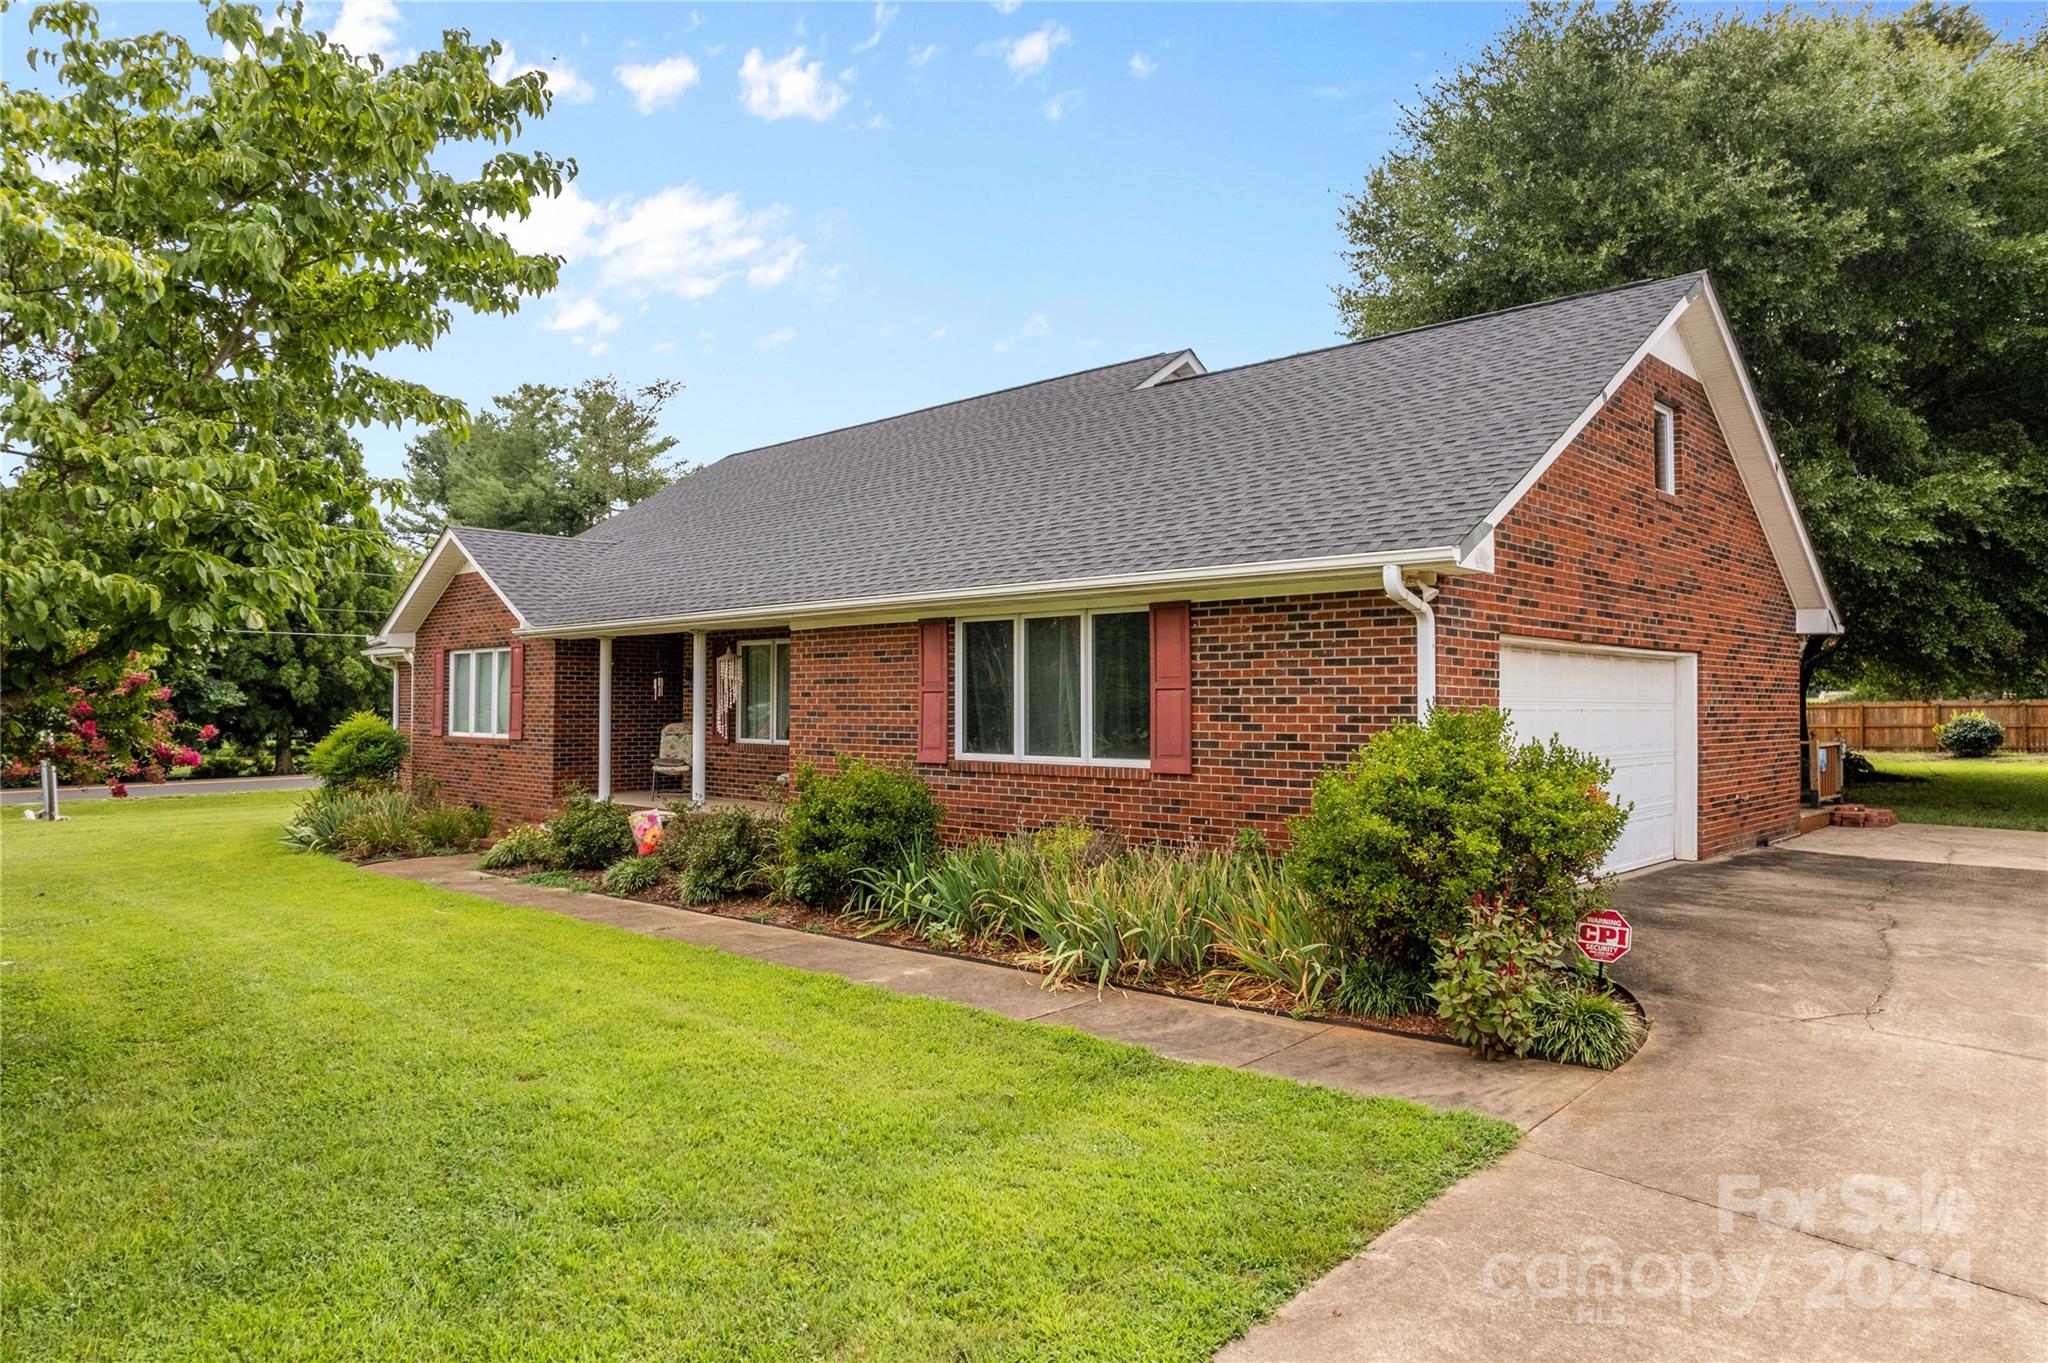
x=1186, y=365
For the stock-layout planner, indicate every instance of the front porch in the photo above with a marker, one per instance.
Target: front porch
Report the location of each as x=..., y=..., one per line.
x=652, y=799
x=721, y=700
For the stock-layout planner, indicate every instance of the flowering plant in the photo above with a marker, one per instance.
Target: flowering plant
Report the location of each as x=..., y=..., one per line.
x=110, y=728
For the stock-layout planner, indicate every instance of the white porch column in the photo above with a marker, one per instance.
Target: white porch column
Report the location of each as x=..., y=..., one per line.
x=604, y=719
x=698, y=709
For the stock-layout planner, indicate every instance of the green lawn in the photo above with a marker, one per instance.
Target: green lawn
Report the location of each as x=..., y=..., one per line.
x=2008, y=790
x=260, y=1105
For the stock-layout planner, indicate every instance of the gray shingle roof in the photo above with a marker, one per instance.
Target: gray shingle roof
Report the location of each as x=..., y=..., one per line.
x=1401, y=442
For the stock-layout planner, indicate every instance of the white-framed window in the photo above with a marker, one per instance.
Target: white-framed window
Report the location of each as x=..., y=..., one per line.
x=480, y=693
x=1665, y=425
x=1069, y=687
x=764, y=691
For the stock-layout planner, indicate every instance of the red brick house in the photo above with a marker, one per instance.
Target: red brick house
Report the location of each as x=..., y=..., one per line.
x=1161, y=599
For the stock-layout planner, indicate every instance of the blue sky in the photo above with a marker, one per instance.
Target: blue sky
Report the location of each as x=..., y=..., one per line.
x=814, y=215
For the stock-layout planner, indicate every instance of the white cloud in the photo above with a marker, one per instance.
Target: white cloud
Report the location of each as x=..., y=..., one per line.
x=653, y=84
x=779, y=337
x=1063, y=103
x=777, y=267
x=1028, y=55
x=561, y=226
x=366, y=26
x=684, y=242
x=939, y=333
x=584, y=320
x=920, y=55
x=885, y=14
x=1035, y=326
x=1142, y=65
x=661, y=348
x=563, y=82
x=787, y=88
x=1005, y=6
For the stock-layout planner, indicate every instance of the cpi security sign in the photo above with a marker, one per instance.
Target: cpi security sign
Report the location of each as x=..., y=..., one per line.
x=1604, y=936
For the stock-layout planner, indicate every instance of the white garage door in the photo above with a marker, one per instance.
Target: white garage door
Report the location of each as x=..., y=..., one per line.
x=1633, y=709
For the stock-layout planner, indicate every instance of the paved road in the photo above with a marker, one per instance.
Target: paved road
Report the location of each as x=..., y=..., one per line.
x=1834, y=1144
x=141, y=790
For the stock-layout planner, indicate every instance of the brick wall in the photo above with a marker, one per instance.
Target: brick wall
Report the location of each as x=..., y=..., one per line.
x=1283, y=687
x=1596, y=554
x=517, y=779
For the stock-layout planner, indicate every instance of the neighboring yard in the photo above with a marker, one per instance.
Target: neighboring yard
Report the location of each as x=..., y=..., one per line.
x=259, y=1104
x=2009, y=790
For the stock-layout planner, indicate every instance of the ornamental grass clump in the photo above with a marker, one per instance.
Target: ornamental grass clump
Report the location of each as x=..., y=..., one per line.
x=1581, y=1025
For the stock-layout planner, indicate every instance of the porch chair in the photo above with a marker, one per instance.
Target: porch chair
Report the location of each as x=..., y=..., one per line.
x=673, y=757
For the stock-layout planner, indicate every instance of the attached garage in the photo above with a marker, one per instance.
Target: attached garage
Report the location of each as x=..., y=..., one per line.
x=1636, y=708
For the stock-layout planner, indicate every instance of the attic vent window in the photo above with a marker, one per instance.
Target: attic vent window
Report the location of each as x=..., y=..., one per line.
x=1182, y=366
x=1665, y=425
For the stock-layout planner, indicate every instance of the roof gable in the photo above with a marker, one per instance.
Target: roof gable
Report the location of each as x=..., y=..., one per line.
x=1406, y=447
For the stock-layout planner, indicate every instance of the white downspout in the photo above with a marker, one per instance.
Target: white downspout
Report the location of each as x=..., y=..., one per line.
x=1425, y=636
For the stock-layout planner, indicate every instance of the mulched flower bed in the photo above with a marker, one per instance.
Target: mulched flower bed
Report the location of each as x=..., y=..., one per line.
x=1252, y=996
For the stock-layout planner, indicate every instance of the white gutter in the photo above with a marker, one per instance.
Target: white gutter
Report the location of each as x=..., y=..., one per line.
x=1425, y=637
x=1445, y=558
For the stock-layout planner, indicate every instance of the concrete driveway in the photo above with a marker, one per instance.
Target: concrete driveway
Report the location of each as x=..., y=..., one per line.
x=1834, y=1144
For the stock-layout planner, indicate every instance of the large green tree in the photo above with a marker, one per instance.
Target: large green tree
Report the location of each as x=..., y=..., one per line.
x=1871, y=193
x=305, y=671
x=194, y=248
x=545, y=459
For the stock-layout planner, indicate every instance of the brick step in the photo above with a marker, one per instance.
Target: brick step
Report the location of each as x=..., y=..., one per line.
x=1862, y=816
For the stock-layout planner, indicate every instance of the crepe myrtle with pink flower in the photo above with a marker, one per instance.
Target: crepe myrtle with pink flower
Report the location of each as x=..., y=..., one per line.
x=110, y=730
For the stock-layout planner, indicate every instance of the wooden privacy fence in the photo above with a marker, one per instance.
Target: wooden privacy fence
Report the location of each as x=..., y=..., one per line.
x=1910, y=725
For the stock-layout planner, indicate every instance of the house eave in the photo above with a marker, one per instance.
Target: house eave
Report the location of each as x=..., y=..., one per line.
x=1332, y=573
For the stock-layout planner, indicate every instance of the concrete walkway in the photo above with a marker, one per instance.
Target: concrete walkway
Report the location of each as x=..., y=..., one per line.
x=1523, y=1091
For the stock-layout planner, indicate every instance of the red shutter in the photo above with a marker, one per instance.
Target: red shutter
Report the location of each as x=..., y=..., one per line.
x=931, y=689
x=518, y=717
x=1172, y=692
x=440, y=691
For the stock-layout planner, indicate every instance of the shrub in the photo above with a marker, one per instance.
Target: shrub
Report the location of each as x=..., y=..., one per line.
x=1382, y=989
x=526, y=845
x=1491, y=976
x=718, y=856
x=1426, y=818
x=632, y=876
x=591, y=834
x=1580, y=1026
x=1972, y=734
x=559, y=880
x=860, y=817
x=360, y=750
